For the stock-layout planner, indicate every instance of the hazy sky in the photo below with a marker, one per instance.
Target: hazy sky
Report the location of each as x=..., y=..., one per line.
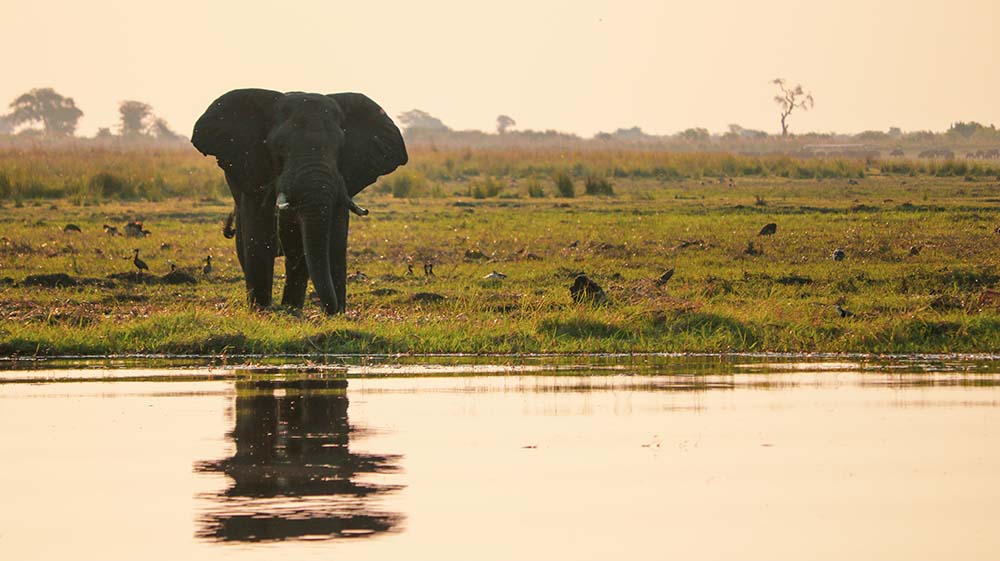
x=582, y=66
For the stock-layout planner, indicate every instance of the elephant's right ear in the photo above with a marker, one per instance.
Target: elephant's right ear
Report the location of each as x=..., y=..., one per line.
x=234, y=129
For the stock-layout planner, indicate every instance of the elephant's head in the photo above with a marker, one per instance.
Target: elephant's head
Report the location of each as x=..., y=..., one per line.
x=308, y=154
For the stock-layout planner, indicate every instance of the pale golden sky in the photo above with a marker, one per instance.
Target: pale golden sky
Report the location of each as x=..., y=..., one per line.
x=581, y=66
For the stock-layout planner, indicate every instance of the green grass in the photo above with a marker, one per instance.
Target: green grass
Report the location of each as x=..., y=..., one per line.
x=720, y=299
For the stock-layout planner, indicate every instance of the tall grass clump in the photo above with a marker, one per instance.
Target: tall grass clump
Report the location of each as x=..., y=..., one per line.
x=535, y=190
x=564, y=186
x=594, y=185
x=110, y=186
x=404, y=184
x=488, y=187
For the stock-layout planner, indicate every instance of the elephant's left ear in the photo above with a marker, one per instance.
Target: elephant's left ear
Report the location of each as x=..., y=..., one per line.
x=373, y=144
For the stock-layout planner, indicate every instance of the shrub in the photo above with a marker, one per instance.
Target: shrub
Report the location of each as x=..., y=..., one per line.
x=564, y=186
x=535, y=190
x=594, y=185
x=405, y=184
x=109, y=185
x=489, y=187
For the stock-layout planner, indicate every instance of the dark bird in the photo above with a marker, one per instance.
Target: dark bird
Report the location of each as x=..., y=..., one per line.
x=495, y=275
x=915, y=250
x=139, y=263
x=207, y=269
x=71, y=228
x=111, y=230
x=357, y=276
x=585, y=290
x=839, y=254
x=409, y=269
x=429, y=269
x=844, y=313
x=768, y=229
x=665, y=277
x=172, y=267
x=134, y=229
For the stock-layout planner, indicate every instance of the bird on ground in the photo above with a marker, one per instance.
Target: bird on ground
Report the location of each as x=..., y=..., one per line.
x=172, y=266
x=139, y=263
x=915, y=250
x=429, y=269
x=111, y=230
x=207, y=269
x=135, y=229
x=768, y=229
x=665, y=277
x=409, y=269
x=839, y=254
x=71, y=228
x=357, y=276
x=844, y=313
x=495, y=275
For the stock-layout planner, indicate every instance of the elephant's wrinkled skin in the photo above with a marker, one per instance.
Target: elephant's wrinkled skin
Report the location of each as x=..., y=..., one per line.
x=293, y=162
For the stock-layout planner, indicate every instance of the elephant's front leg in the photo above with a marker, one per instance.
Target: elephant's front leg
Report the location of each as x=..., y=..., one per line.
x=296, y=271
x=256, y=224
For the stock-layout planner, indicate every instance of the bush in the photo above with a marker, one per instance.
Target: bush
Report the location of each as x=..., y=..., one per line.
x=594, y=185
x=405, y=184
x=535, y=190
x=109, y=186
x=564, y=186
x=489, y=187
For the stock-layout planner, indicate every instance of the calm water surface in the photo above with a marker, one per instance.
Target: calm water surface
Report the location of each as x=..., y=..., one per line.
x=759, y=460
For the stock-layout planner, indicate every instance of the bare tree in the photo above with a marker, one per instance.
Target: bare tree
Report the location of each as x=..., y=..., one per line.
x=504, y=122
x=57, y=114
x=134, y=117
x=790, y=100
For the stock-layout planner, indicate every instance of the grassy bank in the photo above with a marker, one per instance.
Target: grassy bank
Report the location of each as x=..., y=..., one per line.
x=919, y=273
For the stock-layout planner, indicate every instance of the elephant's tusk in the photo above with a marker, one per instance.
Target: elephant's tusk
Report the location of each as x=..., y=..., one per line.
x=353, y=207
x=282, y=202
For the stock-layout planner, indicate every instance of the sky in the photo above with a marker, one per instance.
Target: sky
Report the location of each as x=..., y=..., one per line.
x=580, y=66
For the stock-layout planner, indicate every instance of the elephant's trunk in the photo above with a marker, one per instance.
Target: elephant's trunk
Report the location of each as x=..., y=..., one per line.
x=324, y=239
x=316, y=241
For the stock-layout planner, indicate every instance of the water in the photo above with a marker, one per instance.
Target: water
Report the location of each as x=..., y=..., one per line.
x=543, y=458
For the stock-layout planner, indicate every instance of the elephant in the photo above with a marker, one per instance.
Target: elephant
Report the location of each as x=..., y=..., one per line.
x=293, y=163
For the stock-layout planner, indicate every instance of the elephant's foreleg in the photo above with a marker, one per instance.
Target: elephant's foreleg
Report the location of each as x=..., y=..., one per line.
x=296, y=271
x=256, y=225
x=239, y=244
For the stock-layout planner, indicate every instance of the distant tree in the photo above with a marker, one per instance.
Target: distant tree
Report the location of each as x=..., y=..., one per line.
x=634, y=133
x=58, y=115
x=736, y=131
x=6, y=124
x=134, y=118
x=696, y=135
x=895, y=132
x=161, y=130
x=417, y=119
x=103, y=132
x=871, y=136
x=965, y=130
x=504, y=122
x=790, y=100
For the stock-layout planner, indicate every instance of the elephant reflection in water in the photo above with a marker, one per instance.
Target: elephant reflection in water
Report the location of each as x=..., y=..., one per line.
x=293, y=474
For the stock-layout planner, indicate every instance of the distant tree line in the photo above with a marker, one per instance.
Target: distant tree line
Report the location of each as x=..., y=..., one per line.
x=46, y=112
